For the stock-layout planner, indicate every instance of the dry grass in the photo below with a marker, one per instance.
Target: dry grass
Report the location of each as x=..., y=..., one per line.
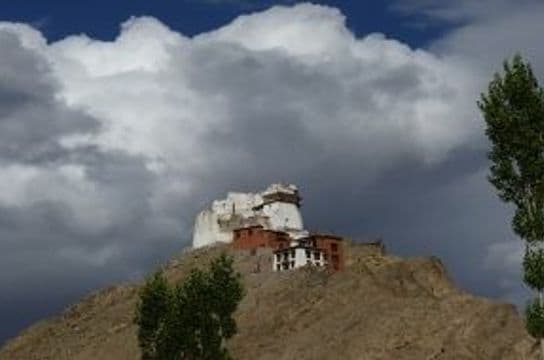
x=381, y=307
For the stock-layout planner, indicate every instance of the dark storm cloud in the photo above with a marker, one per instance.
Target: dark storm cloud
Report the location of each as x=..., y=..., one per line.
x=289, y=119
x=51, y=253
x=52, y=256
x=31, y=119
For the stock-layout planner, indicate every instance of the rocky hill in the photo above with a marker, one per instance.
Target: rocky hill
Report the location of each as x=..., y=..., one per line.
x=380, y=307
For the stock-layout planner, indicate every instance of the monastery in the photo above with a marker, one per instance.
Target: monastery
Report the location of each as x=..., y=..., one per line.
x=269, y=219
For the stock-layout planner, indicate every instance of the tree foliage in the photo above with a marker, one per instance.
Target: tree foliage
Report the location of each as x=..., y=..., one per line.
x=155, y=298
x=534, y=319
x=513, y=110
x=197, y=318
x=533, y=267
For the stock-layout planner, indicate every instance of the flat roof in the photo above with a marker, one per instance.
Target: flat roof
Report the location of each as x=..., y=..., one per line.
x=263, y=229
x=332, y=236
x=249, y=227
x=311, y=248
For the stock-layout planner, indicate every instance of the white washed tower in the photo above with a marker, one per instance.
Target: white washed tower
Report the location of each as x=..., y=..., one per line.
x=276, y=208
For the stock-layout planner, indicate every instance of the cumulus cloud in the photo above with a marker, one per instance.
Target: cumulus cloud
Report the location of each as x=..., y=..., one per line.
x=111, y=147
x=32, y=121
x=488, y=33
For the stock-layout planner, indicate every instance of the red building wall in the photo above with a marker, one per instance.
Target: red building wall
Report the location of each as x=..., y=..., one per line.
x=251, y=238
x=255, y=236
x=333, y=249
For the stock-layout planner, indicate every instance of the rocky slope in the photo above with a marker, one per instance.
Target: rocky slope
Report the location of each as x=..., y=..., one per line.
x=381, y=307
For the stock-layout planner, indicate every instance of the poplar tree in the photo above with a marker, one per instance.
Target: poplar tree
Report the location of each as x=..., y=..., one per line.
x=151, y=312
x=513, y=109
x=191, y=320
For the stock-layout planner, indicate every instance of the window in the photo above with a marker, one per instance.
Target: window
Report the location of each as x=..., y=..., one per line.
x=334, y=247
x=285, y=256
x=292, y=264
x=285, y=266
x=324, y=256
x=278, y=267
x=293, y=254
x=316, y=255
x=308, y=255
x=278, y=257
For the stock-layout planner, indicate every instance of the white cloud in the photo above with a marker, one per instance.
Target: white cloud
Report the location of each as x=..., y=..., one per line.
x=308, y=32
x=490, y=32
x=152, y=87
x=290, y=88
x=193, y=108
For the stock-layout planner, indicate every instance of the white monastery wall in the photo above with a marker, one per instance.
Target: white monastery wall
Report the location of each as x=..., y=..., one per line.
x=283, y=216
x=245, y=209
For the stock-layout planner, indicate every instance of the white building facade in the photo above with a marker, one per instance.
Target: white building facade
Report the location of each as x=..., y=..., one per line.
x=276, y=208
x=299, y=254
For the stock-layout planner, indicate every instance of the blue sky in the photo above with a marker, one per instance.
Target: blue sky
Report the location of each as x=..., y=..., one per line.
x=118, y=124
x=100, y=19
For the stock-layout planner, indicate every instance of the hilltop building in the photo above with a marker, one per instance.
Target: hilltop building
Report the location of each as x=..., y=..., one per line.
x=316, y=250
x=270, y=219
x=276, y=208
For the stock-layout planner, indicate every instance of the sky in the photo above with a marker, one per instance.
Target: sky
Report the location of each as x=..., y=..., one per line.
x=118, y=123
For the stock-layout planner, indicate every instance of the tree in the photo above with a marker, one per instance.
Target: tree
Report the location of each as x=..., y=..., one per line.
x=197, y=318
x=513, y=109
x=151, y=312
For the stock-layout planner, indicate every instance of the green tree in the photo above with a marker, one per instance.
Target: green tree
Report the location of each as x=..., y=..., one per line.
x=198, y=316
x=151, y=312
x=513, y=109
